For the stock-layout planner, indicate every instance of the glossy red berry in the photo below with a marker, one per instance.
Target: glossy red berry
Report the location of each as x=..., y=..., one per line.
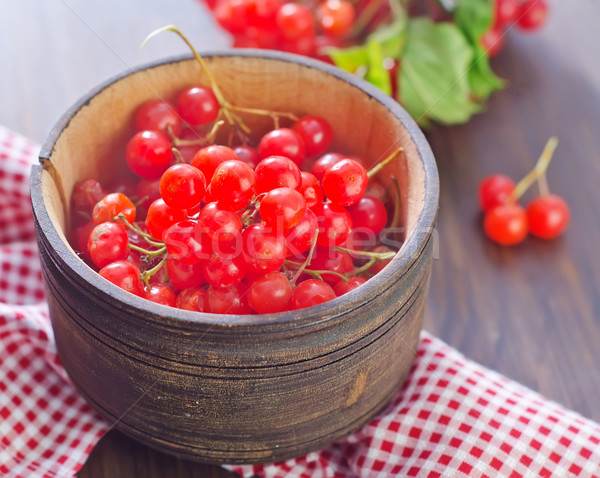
x=160, y=294
x=548, y=216
x=335, y=224
x=198, y=105
x=232, y=185
x=158, y=115
x=184, y=242
x=193, y=299
x=247, y=154
x=324, y=163
x=506, y=224
x=162, y=216
x=182, y=186
x=208, y=159
x=533, y=14
x=277, y=172
x=300, y=238
x=330, y=259
x=223, y=271
x=269, y=293
x=336, y=17
x=108, y=243
x=342, y=287
x=282, y=208
x=506, y=12
x=345, y=182
x=494, y=191
x=311, y=292
x=316, y=133
x=295, y=21
x=223, y=228
x=311, y=189
x=111, y=206
x=125, y=275
x=230, y=300
x=148, y=154
x=282, y=142
x=263, y=250
x=184, y=276
x=369, y=216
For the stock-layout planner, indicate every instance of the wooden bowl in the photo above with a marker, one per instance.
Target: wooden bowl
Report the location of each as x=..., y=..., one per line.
x=236, y=389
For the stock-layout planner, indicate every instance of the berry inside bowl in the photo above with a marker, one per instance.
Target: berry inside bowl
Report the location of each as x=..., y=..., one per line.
x=237, y=388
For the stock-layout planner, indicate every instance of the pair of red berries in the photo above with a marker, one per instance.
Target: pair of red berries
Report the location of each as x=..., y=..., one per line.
x=506, y=222
x=529, y=15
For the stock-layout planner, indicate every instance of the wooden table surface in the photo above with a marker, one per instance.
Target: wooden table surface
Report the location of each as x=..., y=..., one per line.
x=531, y=312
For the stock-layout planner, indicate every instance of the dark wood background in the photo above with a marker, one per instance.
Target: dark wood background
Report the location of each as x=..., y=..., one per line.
x=531, y=312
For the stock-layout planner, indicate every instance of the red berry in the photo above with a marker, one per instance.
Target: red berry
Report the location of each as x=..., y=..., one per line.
x=158, y=115
x=277, y=172
x=548, y=216
x=222, y=227
x=506, y=224
x=342, y=287
x=160, y=294
x=193, y=299
x=329, y=259
x=86, y=194
x=232, y=185
x=147, y=191
x=108, y=243
x=507, y=12
x=125, y=275
x=223, y=271
x=533, y=14
x=335, y=224
x=269, y=293
x=162, y=216
x=184, y=276
x=231, y=300
x=208, y=159
x=311, y=189
x=311, y=292
x=231, y=15
x=282, y=142
x=198, y=105
x=111, y=206
x=247, y=154
x=324, y=163
x=369, y=216
x=345, y=182
x=295, y=21
x=380, y=265
x=282, y=208
x=493, y=42
x=149, y=154
x=182, y=186
x=316, y=133
x=263, y=250
x=299, y=238
x=494, y=191
x=184, y=242
x=336, y=17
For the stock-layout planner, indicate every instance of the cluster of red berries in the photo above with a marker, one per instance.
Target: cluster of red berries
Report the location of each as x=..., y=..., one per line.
x=283, y=25
x=528, y=15
x=232, y=230
x=506, y=222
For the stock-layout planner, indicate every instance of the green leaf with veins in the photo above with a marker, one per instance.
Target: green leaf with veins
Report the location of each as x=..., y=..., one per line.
x=434, y=74
x=474, y=17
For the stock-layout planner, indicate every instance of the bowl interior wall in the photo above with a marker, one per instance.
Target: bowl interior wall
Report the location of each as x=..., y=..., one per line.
x=93, y=144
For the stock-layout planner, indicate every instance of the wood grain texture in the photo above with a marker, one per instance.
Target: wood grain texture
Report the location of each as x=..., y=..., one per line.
x=532, y=313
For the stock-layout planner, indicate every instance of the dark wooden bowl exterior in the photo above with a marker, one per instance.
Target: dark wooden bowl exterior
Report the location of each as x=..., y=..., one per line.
x=236, y=389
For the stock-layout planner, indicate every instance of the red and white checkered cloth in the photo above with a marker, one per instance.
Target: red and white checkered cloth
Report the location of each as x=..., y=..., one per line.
x=452, y=417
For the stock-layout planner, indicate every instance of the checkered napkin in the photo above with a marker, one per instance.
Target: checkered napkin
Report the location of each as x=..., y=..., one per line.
x=452, y=417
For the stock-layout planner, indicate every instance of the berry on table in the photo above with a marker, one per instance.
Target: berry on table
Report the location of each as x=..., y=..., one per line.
x=548, y=216
x=506, y=225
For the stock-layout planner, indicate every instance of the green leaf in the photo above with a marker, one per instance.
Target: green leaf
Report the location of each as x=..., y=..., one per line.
x=391, y=37
x=376, y=74
x=474, y=17
x=482, y=79
x=434, y=74
x=348, y=59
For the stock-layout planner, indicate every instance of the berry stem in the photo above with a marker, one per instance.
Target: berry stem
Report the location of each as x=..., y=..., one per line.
x=364, y=268
x=147, y=252
x=204, y=140
x=382, y=256
x=543, y=185
x=135, y=228
x=397, y=205
x=145, y=276
x=177, y=154
x=378, y=167
x=538, y=171
x=307, y=261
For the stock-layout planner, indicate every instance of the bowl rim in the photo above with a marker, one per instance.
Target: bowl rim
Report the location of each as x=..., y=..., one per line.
x=280, y=321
